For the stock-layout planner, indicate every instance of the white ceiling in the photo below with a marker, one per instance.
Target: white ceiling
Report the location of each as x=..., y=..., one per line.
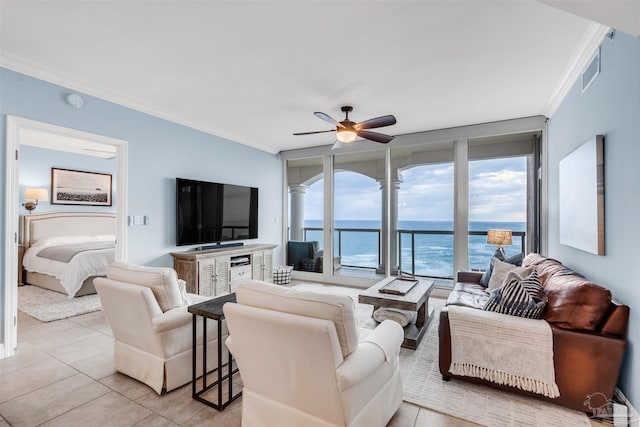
x=255, y=72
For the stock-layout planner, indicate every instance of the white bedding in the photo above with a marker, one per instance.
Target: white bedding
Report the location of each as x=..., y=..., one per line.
x=71, y=275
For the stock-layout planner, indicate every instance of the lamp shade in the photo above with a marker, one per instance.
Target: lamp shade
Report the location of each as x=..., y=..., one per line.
x=38, y=194
x=499, y=237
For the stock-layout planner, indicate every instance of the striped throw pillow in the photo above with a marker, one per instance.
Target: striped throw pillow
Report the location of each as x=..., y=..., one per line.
x=518, y=297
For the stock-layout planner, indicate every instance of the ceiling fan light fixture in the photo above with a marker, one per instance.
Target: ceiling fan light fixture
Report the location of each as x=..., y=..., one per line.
x=345, y=135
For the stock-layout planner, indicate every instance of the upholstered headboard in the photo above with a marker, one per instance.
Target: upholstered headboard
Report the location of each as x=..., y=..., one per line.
x=52, y=224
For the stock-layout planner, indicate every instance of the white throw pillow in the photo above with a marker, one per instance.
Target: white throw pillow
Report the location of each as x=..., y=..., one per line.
x=500, y=271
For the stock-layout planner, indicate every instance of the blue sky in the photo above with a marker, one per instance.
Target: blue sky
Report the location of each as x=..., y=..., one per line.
x=497, y=189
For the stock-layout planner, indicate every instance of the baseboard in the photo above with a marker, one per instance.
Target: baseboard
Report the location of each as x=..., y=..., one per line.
x=633, y=418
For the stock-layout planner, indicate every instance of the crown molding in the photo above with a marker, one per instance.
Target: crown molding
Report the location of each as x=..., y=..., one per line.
x=38, y=71
x=591, y=41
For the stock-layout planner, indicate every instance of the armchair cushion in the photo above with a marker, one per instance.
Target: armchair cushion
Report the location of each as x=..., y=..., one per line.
x=163, y=282
x=339, y=309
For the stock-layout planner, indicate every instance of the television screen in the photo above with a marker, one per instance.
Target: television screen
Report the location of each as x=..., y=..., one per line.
x=209, y=212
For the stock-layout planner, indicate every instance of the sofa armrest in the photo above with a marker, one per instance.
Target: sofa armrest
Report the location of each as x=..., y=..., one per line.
x=469, y=276
x=616, y=320
x=172, y=319
x=593, y=358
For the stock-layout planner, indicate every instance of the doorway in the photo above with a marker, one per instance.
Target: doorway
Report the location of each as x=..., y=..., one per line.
x=22, y=132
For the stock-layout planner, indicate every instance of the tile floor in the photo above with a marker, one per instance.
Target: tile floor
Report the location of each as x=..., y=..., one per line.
x=62, y=375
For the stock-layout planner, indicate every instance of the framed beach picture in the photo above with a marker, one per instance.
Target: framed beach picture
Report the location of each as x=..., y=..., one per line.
x=71, y=187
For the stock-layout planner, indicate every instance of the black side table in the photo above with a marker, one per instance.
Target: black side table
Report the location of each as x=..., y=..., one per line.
x=212, y=309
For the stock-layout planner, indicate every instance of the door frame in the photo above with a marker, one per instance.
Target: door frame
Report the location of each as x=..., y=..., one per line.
x=16, y=126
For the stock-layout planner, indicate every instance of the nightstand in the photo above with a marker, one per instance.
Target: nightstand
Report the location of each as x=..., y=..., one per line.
x=20, y=269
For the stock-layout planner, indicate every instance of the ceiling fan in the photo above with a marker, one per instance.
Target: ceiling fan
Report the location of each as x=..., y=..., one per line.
x=347, y=131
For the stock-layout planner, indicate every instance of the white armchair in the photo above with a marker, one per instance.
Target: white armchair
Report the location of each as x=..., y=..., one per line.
x=146, y=308
x=301, y=361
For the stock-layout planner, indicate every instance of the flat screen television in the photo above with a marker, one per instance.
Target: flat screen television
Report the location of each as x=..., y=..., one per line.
x=210, y=212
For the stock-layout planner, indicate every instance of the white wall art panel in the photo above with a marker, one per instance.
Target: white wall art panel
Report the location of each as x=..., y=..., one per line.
x=581, y=204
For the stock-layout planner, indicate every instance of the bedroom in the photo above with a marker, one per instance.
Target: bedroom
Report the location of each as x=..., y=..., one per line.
x=44, y=159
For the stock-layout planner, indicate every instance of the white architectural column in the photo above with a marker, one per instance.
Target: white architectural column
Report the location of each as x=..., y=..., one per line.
x=392, y=235
x=296, y=231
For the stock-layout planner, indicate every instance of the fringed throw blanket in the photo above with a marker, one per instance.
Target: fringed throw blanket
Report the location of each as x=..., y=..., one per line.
x=503, y=349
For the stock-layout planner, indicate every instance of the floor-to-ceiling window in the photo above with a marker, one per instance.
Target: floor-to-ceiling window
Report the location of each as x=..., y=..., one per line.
x=357, y=213
x=497, y=201
x=423, y=178
x=421, y=205
x=502, y=195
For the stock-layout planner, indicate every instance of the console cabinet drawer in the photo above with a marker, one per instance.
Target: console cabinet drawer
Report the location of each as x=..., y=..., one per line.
x=242, y=272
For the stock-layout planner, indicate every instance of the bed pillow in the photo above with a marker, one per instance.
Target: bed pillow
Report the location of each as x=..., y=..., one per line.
x=62, y=240
x=500, y=271
x=518, y=297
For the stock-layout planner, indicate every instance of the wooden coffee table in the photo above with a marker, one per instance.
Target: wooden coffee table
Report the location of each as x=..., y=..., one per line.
x=417, y=299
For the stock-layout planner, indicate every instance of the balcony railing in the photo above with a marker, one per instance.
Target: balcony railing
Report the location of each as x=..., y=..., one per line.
x=422, y=252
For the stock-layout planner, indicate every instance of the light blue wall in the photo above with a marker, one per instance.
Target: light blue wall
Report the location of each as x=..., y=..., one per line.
x=159, y=151
x=611, y=107
x=35, y=171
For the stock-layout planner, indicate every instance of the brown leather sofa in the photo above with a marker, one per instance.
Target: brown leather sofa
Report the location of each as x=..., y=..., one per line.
x=587, y=324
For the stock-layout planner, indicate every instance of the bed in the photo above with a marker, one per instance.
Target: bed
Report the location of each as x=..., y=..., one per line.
x=64, y=251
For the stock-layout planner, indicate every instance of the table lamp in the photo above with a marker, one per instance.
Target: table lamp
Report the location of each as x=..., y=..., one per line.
x=499, y=238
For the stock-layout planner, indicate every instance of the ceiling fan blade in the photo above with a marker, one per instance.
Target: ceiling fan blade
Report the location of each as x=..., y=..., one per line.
x=378, y=122
x=327, y=118
x=318, y=131
x=375, y=136
x=337, y=145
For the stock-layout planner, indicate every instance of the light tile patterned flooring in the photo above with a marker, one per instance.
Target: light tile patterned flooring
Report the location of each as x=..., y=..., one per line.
x=62, y=375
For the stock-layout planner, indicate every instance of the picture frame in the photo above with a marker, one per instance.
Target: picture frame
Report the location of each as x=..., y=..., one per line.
x=581, y=194
x=73, y=187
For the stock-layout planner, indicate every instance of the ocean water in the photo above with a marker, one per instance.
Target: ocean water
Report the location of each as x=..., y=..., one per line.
x=433, y=252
